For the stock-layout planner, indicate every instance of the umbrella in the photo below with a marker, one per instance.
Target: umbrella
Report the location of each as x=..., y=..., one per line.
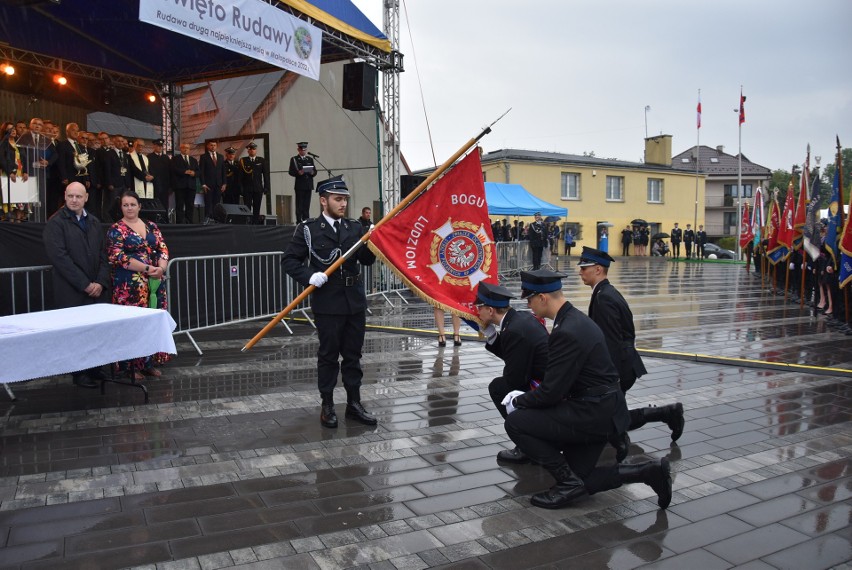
x=661, y=235
x=552, y=219
x=639, y=222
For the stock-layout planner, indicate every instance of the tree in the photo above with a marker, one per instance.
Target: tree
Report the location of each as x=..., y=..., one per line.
x=846, y=162
x=780, y=179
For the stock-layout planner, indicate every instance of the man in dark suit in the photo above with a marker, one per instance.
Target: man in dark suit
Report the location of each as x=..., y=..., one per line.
x=303, y=170
x=610, y=311
x=626, y=240
x=184, y=176
x=700, y=242
x=677, y=237
x=38, y=151
x=212, y=173
x=564, y=424
x=520, y=340
x=159, y=167
x=339, y=303
x=233, y=177
x=537, y=235
x=255, y=180
x=114, y=177
x=688, y=239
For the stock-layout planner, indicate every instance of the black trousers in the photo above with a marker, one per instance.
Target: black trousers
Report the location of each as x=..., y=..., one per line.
x=253, y=200
x=625, y=249
x=341, y=337
x=184, y=204
x=303, y=204
x=676, y=249
x=212, y=197
x=536, y=256
x=688, y=245
x=498, y=389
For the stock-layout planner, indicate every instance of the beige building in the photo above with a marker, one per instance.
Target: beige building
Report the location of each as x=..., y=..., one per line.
x=598, y=192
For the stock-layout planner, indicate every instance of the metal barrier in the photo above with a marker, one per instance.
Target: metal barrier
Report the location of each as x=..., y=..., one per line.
x=25, y=290
x=513, y=257
x=217, y=290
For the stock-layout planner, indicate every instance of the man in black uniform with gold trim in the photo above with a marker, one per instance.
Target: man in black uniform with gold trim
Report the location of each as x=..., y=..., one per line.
x=233, y=178
x=612, y=314
x=255, y=180
x=339, y=303
x=564, y=424
x=520, y=340
x=303, y=170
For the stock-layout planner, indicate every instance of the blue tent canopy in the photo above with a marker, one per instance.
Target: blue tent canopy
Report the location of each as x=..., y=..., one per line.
x=514, y=200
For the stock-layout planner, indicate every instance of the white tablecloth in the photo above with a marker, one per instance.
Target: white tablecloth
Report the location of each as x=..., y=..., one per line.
x=34, y=345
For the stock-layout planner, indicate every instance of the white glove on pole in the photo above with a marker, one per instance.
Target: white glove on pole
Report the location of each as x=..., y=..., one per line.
x=318, y=279
x=490, y=333
x=509, y=400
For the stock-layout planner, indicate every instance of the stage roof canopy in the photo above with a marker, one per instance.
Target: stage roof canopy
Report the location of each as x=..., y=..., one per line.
x=109, y=36
x=514, y=200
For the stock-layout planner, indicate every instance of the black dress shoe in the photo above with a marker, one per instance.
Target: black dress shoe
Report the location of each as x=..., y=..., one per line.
x=621, y=443
x=676, y=422
x=568, y=488
x=355, y=411
x=513, y=456
x=84, y=381
x=328, y=417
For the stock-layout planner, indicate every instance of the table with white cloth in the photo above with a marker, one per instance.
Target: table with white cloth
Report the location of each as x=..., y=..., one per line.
x=47, y=343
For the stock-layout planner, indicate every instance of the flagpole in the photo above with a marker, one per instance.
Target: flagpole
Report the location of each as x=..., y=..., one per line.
x=740, y=177
x=398, y=208
x=697, y=161
x=840, y=203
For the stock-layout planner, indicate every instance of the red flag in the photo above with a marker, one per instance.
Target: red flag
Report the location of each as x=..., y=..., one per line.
x=773, y=221
x=441, y=245
x=742, y=107
x=746, y=235
x=785, y=231
x=801, y=215
x=699, y=111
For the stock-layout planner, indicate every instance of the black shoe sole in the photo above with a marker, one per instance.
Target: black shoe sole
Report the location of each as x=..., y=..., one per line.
x=679, y=422
x=518, y=461
x=362, y=420
x=330, y=425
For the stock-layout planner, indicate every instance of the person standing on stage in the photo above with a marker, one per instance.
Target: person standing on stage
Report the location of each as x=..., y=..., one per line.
x=184, y=170
x=255, y=180
x=303, y=170
x=233, y=177
x=339, y=303
x=159, y=167
x=74, y=242
x=517, y=338
x=677, y=237
x=140, y=169
x=610, y=311
x=564, y=424
x=688, y=239
x=212, y=173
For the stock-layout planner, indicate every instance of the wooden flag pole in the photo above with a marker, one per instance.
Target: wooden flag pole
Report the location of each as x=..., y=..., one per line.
x=398, y=208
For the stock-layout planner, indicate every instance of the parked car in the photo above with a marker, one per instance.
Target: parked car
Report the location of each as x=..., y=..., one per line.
x=719, y=252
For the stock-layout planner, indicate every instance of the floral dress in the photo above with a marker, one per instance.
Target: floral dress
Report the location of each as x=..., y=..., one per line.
x=131, y=287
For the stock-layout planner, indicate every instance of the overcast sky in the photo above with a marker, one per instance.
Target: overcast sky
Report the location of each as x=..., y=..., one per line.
x=578, y=75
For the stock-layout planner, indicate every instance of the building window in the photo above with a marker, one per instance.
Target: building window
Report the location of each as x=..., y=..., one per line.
x=655, y=190
x=570, y=186
x=615, y=188
x=731, y=190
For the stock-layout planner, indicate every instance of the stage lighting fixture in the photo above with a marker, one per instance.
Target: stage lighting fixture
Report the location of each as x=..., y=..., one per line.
x=151, y=97
x=60, y=79
x=8, y=69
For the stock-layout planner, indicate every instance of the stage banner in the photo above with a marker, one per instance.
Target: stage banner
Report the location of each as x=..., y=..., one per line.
x=248, y=27
x=441, y=245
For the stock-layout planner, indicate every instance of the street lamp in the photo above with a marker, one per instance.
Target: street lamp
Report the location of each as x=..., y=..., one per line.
x=647, y=108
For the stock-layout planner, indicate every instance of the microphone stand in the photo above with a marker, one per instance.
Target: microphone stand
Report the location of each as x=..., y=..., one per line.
x=324, y=167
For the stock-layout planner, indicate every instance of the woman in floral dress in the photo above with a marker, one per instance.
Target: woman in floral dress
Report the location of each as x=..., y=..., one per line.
x=138, y=256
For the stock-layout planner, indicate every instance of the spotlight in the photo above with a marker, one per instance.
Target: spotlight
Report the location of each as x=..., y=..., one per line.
x=7, y=69
x=151, y=97
x=60, y=79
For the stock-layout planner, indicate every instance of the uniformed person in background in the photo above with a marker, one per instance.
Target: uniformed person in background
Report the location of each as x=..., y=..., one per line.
x=303, y=170
x=255, y=180
x=338, y=303
x=564, y=424
x=700, y=242
x=233, y=178
x=688, y=239
x=520, y=340
x=612, y=314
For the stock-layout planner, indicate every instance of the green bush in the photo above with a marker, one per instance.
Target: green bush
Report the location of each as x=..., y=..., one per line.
x=729, y=242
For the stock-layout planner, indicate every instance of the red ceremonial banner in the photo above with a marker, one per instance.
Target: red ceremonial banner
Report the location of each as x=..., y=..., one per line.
x=441, y=245
x=786, y=231
x=772, y=226
x=746, y=235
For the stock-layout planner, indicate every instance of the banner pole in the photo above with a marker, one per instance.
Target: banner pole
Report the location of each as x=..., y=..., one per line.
x=398, y=208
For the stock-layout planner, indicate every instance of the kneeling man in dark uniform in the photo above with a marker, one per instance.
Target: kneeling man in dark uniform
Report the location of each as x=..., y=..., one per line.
x=520, y=340
x=564, y=424
x=339, y=303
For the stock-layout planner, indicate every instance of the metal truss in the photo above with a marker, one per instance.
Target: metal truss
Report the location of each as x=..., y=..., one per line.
x=390, y=98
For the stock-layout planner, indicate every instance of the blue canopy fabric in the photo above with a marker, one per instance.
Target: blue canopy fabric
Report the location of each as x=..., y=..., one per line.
x=514, y=200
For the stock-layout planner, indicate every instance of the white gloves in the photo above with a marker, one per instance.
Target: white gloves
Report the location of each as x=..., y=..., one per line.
x=318, y=279
x=490, y=333
x=792, y=266
x=509, y=400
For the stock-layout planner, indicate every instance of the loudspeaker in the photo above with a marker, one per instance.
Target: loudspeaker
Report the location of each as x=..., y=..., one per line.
x=232, y=214
x=153, y=210
x=359, y=86
x=407, y=184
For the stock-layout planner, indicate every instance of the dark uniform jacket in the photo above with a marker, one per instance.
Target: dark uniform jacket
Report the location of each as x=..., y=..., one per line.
x=537, y=234
x=315, y=241
x=180, y=180
x=78, y=257
x=254, y=175
x=578, y=367
x=158, y=167
x=612, y=314
x=304, y=181
x=689, y=236
x=677, y=235
x=626, y=237
x=522, y=345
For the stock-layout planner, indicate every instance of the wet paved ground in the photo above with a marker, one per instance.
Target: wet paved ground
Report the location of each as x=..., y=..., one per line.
x=229, y=467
